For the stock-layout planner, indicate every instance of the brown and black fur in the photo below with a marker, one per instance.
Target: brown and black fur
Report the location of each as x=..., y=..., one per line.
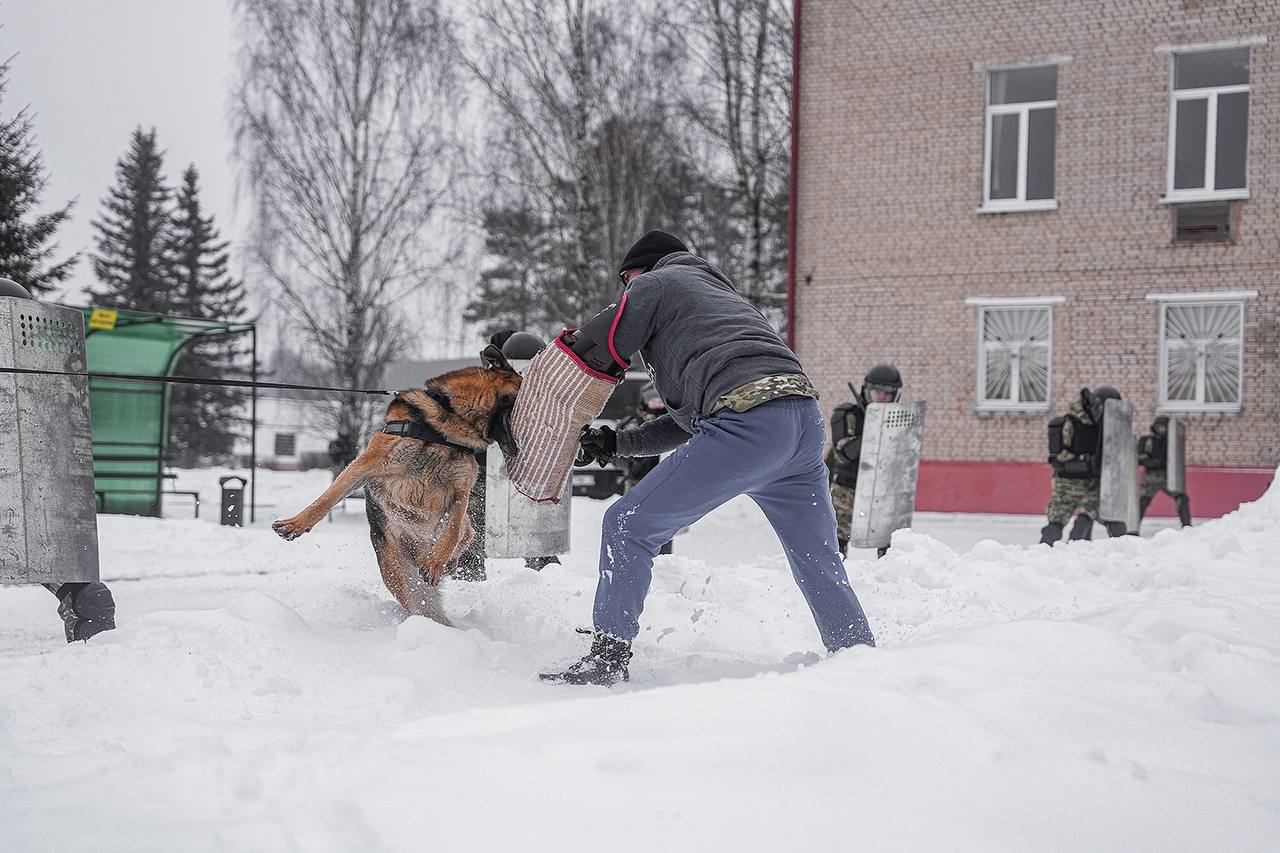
x=416, y=491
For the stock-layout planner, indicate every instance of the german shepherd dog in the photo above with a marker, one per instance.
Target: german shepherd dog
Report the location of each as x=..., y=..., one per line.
x=417, y=473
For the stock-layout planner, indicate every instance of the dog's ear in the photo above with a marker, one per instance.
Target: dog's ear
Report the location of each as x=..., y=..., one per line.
x=494, y=358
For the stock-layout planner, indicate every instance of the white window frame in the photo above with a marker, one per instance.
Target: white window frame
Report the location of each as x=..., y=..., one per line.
x=1006, y=205
x=1205, y=193
x=985, y=304
x=1239, y=299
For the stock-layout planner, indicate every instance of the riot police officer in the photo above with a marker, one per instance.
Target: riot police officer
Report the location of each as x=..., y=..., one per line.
x=1153, y=456
x=1075, y=453
x=882, y=384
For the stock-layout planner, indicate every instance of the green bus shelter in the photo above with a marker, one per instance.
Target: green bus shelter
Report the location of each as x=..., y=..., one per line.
x=130, y=418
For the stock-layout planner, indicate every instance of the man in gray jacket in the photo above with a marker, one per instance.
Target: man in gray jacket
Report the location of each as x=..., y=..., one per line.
x=742, y=418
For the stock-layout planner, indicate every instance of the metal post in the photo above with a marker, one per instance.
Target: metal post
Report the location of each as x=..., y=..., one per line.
x=253, y=431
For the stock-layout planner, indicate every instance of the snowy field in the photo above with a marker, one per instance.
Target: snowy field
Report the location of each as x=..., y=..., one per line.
x=1115, y=695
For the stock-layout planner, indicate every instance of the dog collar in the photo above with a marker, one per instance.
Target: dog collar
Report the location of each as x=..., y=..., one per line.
x=425, y=434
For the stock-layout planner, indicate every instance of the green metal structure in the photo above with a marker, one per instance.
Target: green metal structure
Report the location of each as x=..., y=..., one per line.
x=130, y=418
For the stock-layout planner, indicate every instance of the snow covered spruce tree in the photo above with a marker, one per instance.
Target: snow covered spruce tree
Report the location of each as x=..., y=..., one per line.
x=131, y=259
x=27, y=244
x=204, y=419
x=344, y=110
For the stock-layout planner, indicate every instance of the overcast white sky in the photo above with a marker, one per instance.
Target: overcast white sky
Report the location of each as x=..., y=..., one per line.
x=93, y=70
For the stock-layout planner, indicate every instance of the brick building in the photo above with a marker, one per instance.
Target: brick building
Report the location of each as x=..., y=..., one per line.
x=1013, y=200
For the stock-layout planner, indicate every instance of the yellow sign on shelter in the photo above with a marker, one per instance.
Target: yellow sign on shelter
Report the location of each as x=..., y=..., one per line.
x=103, y=318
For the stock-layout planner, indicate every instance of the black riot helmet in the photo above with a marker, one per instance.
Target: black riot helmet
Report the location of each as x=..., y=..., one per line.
x=1097, y=400
x=882, y=377
x=9, y=287
x=1160, y=425
x=523, y=346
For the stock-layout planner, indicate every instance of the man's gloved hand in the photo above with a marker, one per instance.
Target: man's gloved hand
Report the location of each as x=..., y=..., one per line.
x=597, y=443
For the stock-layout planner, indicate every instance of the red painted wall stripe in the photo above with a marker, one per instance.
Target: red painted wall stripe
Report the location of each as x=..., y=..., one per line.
x=1024, y=488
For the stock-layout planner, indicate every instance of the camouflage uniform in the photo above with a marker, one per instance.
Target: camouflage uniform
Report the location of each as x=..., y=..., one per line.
x=842, y=467
x=1153, y=451
x=1072, y=495
x=842, y=500
x=752, y=394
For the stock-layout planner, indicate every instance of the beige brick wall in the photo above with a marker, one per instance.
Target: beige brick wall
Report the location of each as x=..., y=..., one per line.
x=890, y=177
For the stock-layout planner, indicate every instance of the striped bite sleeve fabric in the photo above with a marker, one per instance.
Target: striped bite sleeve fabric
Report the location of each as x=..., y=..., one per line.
x=559, y=395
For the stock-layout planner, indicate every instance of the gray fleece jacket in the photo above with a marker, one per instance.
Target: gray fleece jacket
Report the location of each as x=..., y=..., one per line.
x=699, y=339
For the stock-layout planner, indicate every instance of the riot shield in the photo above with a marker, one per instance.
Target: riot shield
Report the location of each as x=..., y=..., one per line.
x=1118, y=499
x=515, y=526
x=885, y=498
x=1176, y=458
x=48, y=522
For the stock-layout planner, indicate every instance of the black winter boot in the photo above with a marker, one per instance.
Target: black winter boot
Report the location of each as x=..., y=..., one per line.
x=86, y=609
x=1083, y=528
x=1117, y=528
x=605, y=664
x=1050, y=533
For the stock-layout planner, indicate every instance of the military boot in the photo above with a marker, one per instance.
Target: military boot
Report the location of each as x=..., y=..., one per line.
x=605, y=664
x=1050, y=533
x=1083, y=528
x=86, y=609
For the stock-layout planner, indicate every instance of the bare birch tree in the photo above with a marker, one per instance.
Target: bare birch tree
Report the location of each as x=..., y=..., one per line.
x=343, y=110
x=577, y=131
x=740, y=97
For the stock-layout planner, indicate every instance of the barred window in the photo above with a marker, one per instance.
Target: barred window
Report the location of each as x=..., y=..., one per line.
x=1202, y=355
x=1014, y=356
x=286, y=443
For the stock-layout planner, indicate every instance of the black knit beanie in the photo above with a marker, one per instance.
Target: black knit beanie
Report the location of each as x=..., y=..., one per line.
x=650, y=249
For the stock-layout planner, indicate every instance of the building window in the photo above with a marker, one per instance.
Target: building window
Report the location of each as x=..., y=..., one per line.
x=1015, y=344
x=286, y=443
x=1201, y=355
x=1022, y=110
x=1209, y=125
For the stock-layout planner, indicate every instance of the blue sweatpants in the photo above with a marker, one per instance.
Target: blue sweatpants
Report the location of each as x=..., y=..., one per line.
x=773, y=453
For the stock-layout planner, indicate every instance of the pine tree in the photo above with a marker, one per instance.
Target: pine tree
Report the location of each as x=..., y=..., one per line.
x=132, y=260
x=203, y=419
x=26, y=237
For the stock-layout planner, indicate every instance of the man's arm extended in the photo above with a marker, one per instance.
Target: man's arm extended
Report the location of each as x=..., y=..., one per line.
x=650, y=439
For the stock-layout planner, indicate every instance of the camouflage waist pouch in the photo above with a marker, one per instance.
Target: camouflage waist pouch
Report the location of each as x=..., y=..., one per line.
x=759, y=391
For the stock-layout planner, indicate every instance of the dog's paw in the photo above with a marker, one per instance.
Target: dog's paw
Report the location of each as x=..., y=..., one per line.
x=289, y=529
x=434, y=574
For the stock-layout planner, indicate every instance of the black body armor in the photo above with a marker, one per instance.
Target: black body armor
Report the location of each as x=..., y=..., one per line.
x=1153, y=451
x=1083, y=455
x=845, y=471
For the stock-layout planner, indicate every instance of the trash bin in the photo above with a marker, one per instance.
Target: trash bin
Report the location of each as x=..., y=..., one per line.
x=233, y=500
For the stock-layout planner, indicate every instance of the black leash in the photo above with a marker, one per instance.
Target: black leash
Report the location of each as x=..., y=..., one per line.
x=190, y=380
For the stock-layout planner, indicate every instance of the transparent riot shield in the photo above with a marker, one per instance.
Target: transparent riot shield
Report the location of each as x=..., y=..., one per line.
x=514, y=525
x=885, y=499
x=1118, y=499
x=48, y=522
x=1176, y=460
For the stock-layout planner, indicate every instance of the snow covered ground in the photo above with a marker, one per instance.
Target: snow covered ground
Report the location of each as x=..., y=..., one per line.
x=262, y=695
